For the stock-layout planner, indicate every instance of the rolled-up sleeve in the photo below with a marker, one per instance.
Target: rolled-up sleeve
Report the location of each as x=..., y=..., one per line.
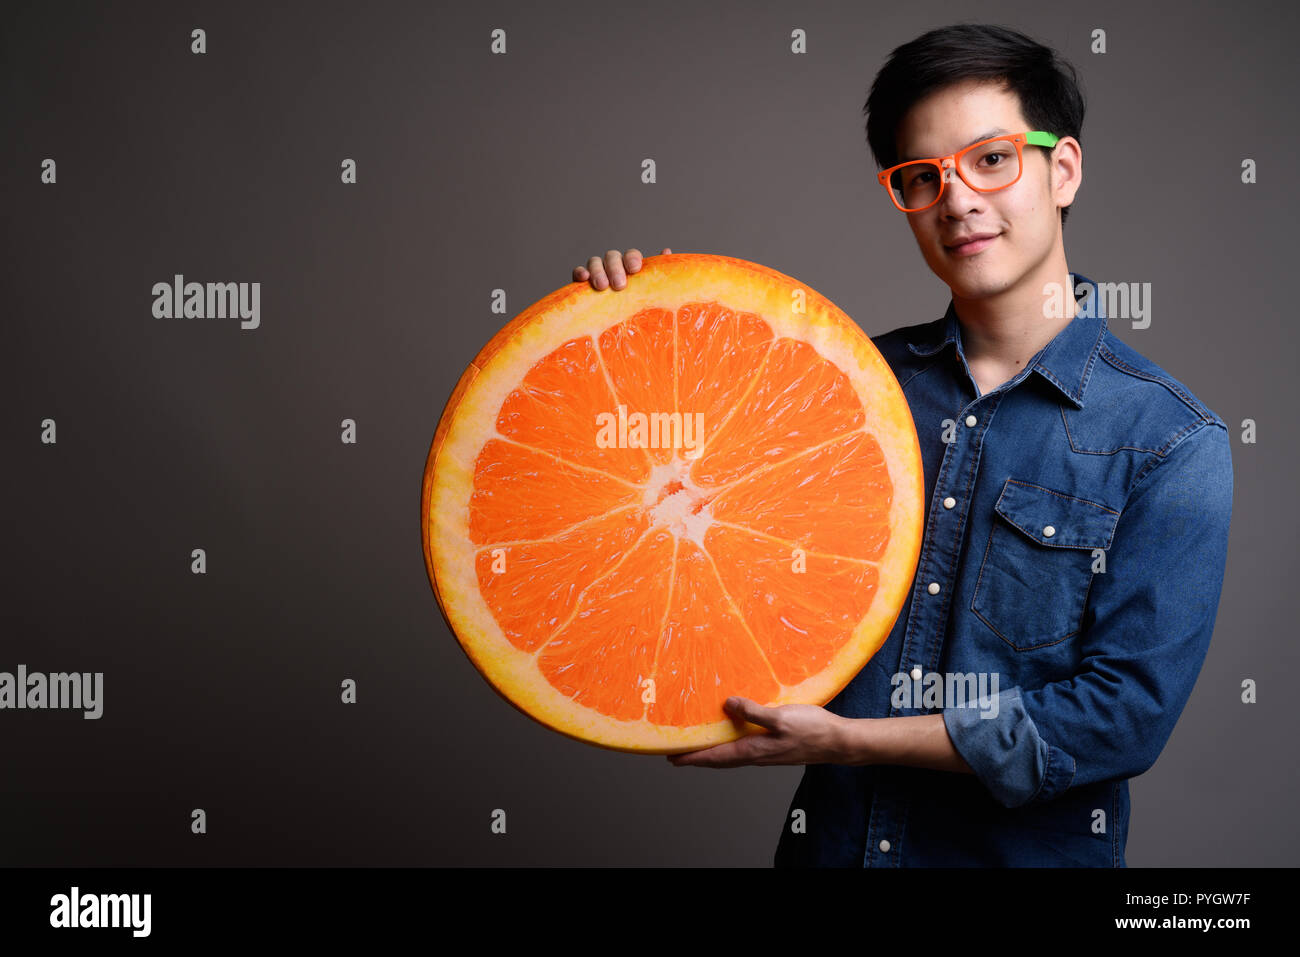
x=1144, y=638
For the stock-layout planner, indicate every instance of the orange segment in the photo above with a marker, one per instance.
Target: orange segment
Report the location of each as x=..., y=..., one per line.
x=516, y=494
x=639, y=356
x=801, y=606
x=603, y=654
x=834, y=498
x=798, y=401
x=555, y=409
x=532, y=587
x=719, y=355
x=707, y=651
x=618, y=581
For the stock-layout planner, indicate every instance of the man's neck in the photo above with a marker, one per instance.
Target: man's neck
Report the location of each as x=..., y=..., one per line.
x=1001, y=333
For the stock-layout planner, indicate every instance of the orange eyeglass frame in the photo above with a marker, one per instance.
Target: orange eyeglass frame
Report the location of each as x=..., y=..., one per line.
x=951, y=162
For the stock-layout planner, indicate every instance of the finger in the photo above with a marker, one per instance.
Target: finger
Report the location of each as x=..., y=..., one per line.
x=666, y=252
x=597, y=272
x=734, y=754
x=752, y=711
x=614, y=269
x=580, y=273
x=632, y=260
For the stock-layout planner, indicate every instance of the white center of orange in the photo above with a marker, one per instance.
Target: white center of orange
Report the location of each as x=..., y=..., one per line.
x=673, y=500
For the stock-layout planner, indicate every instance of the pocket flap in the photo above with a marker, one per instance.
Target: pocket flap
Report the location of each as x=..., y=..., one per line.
x=1054, y=518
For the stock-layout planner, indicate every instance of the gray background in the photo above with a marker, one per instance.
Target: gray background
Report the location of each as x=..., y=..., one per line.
x=477, y=172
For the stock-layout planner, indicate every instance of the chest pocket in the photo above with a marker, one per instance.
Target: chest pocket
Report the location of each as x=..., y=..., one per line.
x=1037, y=567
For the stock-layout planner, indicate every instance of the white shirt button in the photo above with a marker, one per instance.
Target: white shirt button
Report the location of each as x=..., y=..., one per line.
x=971, y=420
x=916, y=673
x=934, y=588
x=884, y=846
x=949, y=502
x=1049, y=531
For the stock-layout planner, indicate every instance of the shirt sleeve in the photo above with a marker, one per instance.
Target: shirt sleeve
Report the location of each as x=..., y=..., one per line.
x=1144, y=638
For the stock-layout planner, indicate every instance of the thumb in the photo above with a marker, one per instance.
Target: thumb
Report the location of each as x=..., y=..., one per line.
x=751, y=711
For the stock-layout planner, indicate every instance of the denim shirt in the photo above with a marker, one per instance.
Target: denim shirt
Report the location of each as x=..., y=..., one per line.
x=1076, y=532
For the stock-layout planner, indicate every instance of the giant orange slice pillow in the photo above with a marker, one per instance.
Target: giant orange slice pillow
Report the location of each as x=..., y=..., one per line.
x=640, y=502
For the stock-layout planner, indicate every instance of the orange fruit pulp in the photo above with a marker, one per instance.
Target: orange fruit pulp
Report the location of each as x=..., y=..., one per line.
x=640, y=502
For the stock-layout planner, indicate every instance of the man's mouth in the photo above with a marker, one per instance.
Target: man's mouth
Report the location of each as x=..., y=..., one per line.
x=972, y=244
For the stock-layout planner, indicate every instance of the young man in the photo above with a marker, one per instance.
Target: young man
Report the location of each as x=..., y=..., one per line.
x=1076, y=528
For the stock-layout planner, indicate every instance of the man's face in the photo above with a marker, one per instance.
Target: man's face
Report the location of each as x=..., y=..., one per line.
x=1024, y=216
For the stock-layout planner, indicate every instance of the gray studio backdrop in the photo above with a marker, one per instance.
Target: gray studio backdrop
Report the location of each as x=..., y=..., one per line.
x=476, y=172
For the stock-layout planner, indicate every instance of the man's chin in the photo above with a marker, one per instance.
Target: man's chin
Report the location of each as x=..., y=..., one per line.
x=970, y=285
x=972, y=277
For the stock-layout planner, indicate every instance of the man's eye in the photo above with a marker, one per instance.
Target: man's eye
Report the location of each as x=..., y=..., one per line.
x=994, y=158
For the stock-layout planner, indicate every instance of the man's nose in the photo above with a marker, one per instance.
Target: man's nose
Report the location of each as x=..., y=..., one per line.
x=958, y=198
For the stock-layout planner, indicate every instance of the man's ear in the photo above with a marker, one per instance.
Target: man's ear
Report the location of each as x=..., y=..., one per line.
x=1065, y=170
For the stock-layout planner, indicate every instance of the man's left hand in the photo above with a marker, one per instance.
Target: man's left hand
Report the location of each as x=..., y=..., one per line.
x=797, y=734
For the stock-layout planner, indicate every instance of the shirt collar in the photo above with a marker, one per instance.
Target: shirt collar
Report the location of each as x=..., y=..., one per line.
x=1066, y=362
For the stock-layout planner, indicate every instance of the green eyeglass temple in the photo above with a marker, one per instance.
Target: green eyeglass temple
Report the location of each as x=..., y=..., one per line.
x=1040, y=138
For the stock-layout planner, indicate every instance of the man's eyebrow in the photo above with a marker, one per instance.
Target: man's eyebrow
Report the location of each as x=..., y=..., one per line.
x=988, y=135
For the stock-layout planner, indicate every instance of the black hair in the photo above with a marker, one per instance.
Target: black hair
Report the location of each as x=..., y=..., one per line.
x=1046, y=84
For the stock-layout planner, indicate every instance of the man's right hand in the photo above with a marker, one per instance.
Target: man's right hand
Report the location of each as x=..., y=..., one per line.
x=613, y=270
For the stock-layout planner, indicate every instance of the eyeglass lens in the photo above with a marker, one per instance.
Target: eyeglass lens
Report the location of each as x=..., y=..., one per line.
x=988, y=166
